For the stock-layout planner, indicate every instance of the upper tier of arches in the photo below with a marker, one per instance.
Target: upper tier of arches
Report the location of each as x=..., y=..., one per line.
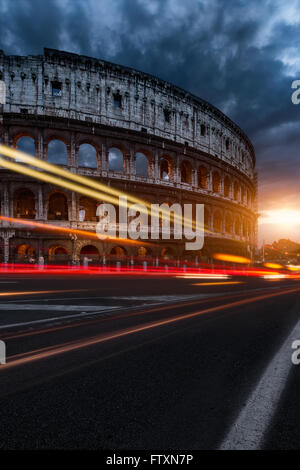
x=119, y=159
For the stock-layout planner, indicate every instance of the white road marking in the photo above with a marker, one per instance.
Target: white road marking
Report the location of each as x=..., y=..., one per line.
x=53, y=319
x=249, y=429
x=9, y=282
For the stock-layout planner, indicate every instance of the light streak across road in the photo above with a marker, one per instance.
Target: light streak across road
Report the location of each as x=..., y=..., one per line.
x=47, y=353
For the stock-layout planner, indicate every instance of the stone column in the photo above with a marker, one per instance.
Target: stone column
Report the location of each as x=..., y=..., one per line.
x=72, y=153
x=156, y=166
x=127, y=161
x=6, y=236
x=5, y=200
x=194, y=177
x=40, y=208
x=176, y=170
x=73, y=208
x=222, y=184
x=132, y=162
x=104, y=158
x=40, y=146
x=210, y=180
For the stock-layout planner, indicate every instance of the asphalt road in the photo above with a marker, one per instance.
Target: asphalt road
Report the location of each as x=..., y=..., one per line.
x=115, y=362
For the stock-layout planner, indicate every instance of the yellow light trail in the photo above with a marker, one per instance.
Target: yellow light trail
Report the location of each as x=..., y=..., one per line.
x=273, y=265
x=57, y=181
x=26, y=158
x=216, y=283
x=29, y=159
x=231, y=258
x=84, y=233
x=35, y=292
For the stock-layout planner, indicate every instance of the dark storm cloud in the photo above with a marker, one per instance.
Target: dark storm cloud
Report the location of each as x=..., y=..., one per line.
x=239, y=55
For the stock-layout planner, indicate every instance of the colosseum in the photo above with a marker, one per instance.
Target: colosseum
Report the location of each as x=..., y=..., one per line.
x=129, y=130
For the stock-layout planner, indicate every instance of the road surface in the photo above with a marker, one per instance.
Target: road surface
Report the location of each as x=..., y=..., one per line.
x=148, y=362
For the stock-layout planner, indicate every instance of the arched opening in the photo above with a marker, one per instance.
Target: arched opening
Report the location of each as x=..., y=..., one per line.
x=57, y=207
x=237, y=226
x=186, y=172
x=244, y=228
x=87, y=156
x=228, y=223
x=217, y=221
x=24, y=204
x=90, y=252
x=115, y=160
x=216, y=182
x=248, y=197
x=118, y=252
x=164, y=169
x=57, y=152
x=236, y=191
x=206, y=218
x=142, y=252
x=87, y=209
x=141, y=164
x=58, y=253
x=227, y=186
x=167, y=253
x=242, y=194
x=203, y=177
x=25, y=253
x=26, y=144
x=249, y=230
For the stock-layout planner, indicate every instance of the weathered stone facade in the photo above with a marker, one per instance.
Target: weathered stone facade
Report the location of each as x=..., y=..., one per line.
x=194, y=154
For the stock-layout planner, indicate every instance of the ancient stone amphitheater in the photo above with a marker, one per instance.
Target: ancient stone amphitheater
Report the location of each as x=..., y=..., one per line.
x=129, y=130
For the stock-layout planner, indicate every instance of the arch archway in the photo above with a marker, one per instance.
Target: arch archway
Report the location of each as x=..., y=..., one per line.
x=167, y=253
x=186, y=172
x=228, y=223
x=244, y=225
x=236, y=191
x=217, y=221
x=118, y=252
x=57, y=206
x=165, y=169
x=143, y=252
x=25, y=252
x=227, y=186
x=141, y=164
x=206, y=218
x=87, y=209
x=216, y=182
x=237, y=226
x=24, y=204
x=90, y=252
x=203, y=177
x=115, y=160
x=57, y=152
x=87, y=156
x=58, y=253
x=26, y=144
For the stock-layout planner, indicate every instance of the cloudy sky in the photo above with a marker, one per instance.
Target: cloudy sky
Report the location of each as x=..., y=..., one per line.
x=240, y=55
